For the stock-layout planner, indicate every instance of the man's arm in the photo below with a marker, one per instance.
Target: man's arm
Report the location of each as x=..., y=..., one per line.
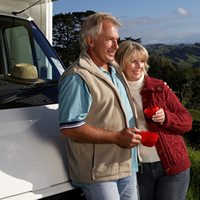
x=90, y=134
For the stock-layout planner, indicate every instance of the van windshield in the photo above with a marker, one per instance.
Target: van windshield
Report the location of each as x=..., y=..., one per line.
x=26, y=57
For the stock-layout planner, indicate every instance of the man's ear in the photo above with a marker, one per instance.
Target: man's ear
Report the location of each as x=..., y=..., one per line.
x=89, y=40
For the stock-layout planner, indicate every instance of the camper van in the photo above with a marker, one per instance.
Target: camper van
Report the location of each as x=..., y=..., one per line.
x=33, y=161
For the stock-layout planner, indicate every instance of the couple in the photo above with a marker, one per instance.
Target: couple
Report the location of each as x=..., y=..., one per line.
x=101, y=107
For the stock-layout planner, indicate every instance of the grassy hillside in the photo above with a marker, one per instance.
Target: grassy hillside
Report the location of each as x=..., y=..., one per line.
x=194, y=155
x=194, y=187
x=180, y=55
x=195, y=114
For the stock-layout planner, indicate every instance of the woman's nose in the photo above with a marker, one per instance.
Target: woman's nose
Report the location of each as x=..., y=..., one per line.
x=138, y=64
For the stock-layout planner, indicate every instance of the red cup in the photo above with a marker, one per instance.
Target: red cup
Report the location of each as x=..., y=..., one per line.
x=149, y=138
x=149, y=112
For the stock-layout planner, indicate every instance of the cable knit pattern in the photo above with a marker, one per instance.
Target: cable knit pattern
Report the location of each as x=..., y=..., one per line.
x=170, y=145
x=147, y=154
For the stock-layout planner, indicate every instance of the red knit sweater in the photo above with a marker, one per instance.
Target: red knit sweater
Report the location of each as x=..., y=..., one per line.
x=170, y=145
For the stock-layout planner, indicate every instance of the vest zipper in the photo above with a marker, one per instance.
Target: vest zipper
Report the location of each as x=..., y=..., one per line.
x=93, y=168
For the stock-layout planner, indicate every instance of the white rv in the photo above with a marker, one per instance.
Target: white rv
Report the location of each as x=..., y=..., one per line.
x=33, y=161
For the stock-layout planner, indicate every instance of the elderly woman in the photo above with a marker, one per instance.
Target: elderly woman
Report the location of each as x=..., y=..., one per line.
x=165, y=168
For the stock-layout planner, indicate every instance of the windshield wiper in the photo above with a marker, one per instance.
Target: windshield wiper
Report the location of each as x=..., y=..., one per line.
x=45, y=84
x=27, y=89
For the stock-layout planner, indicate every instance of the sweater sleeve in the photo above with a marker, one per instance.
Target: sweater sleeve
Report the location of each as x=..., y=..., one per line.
x=177, y=118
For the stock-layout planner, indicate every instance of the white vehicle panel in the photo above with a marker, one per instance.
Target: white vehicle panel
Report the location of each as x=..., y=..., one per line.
x=30, y=141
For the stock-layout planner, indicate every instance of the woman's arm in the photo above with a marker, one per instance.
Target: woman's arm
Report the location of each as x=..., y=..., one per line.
x=176, y=117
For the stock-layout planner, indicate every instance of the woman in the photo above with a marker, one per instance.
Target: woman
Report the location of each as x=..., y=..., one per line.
x=165, y=168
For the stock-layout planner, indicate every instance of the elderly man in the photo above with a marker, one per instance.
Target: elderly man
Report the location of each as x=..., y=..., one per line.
x=96, y=116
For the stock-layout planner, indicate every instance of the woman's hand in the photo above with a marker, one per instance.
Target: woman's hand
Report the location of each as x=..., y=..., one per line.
x=159, y=116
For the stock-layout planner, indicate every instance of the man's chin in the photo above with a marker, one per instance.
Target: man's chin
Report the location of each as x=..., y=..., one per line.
x=110, y=59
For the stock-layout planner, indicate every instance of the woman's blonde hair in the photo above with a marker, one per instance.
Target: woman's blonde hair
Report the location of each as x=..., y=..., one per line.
x=93, y=26
x=127, y=50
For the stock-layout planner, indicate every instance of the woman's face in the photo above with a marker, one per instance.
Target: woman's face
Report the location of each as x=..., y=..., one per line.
x=134, y=67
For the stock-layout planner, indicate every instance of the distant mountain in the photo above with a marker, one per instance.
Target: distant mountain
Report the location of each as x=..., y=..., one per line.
x=181, y=55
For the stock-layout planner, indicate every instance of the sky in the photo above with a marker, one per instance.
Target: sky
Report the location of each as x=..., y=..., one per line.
x=154, y=21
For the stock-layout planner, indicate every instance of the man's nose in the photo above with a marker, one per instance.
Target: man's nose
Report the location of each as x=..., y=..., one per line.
x=115, y=44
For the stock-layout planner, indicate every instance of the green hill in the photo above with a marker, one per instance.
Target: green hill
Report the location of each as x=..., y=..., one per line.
x=195, y=114
x=181, y=55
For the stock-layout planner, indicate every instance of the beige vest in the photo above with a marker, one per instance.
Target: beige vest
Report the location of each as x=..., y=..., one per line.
x=99, y=162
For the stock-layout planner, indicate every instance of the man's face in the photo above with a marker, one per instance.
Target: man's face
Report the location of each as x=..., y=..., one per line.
x=105, y=45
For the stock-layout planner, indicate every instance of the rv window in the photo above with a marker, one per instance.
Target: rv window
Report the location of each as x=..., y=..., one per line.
x=19, y=46
x=26, y=58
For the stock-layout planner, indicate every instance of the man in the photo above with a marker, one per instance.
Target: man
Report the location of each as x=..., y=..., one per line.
x=96, y=111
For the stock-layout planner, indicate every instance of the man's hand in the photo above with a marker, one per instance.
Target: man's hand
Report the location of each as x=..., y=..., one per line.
x=128, y=139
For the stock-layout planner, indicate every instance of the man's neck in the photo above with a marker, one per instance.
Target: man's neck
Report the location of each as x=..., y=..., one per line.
x=98, y=62
x=106, y=67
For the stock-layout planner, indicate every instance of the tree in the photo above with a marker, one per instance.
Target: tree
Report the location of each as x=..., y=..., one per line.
x=66, y=28
x=194, y=102
x=155, y=70
x=130, y=38
x=179, y=79
x=160, y=67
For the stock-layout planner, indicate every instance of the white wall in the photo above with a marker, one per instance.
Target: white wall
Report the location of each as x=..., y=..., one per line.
x=41, y=13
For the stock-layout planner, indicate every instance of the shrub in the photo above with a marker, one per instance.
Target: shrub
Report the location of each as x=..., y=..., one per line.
x=194, y=186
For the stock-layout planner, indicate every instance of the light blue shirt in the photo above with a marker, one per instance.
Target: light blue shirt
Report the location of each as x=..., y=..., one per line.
x=75, y=101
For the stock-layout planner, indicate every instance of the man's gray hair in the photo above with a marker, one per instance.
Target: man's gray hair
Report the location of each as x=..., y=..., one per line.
x=92, y=26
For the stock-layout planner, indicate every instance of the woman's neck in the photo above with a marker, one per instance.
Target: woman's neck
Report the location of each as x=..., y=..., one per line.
x=137, y=85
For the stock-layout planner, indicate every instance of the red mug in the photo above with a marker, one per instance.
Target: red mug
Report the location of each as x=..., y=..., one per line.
x=149, y=112
x=149, y=138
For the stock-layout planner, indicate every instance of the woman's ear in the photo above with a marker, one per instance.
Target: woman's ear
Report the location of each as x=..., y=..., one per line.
x=89, y=40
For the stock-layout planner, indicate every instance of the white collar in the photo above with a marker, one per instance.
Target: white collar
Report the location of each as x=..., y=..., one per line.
x=137, y=85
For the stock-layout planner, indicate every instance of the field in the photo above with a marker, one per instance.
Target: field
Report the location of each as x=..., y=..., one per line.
x=194, y=187
x=181, y=55
x=195, y=114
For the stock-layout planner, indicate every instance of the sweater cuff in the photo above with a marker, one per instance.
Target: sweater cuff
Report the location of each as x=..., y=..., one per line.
x=167, y=121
